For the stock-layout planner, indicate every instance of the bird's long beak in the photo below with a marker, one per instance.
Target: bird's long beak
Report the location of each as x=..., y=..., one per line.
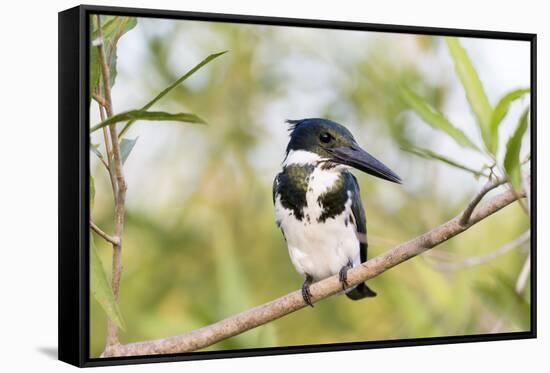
x=358, y=158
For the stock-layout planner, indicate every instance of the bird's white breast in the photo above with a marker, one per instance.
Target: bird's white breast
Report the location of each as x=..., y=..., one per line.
x=319, y=249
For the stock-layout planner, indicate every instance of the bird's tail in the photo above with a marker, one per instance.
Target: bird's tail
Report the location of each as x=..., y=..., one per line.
x=360, y=291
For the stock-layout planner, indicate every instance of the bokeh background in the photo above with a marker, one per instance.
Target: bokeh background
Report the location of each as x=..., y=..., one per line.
x=200, y=242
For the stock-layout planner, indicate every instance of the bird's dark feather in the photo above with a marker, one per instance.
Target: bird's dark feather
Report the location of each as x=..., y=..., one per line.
x=333, y=201
x=362, y=290
x=358, y=214
x=291, y=185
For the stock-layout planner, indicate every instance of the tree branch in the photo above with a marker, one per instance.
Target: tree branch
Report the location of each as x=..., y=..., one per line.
x=108, y=151
x=100, y=100
x=260, y=315
x=523, y=275
x=477, y=260
x=105, y=73
x=120, y=196
x=105, y=236
x=491, y=184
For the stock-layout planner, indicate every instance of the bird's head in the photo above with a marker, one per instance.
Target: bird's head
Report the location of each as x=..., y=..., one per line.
x=320, y=140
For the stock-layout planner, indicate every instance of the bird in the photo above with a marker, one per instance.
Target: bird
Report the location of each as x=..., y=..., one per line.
x=318, y=205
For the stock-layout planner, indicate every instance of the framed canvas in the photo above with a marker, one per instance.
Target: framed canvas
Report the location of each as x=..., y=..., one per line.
x=235, y=186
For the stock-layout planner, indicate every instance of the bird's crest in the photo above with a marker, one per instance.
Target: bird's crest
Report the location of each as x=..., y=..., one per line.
x=293, y=124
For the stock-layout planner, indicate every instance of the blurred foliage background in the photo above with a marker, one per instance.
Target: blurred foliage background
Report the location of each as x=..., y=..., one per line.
x=200, y=242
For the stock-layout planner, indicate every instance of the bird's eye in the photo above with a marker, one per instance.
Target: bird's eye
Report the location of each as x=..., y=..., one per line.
x=325, y=137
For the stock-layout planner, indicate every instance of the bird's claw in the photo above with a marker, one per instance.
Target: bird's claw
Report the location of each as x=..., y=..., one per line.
x=343, y=275
x=306, y=294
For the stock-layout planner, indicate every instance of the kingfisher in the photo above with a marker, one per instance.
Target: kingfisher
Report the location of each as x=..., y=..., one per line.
x=318, y=205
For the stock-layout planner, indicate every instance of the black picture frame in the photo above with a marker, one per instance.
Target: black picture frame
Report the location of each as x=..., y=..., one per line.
x=74, y=171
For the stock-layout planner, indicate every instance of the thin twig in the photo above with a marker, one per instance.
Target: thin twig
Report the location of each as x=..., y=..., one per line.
x=108, y=164
x=109, y=152
x=105, y=73
x=497, y=328
x=481, y=259
x=260, y=315
x=104, y=164
x=104, y=235
x=491, y=184
x=526, y=184
x=523, y=275
x=120, y=196
x=511, y=187
x=100, y=100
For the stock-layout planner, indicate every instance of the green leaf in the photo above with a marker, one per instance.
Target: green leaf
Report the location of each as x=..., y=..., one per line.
x=134, y=115
x=93, y=22
x=121, y=25
x=112, y=26
x=113, y=72
x=435, y=118
x=95, y=149
x=100, y=288
x=92, y=192
x=513, y=148
x=112, y=29
x=428, y=154
x=479, y=103
x=126, y=147
x=172, y=86
x=94, y=70
x=500, y=112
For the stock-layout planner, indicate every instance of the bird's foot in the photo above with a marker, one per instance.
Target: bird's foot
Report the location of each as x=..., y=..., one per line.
x=343, y=274
x=306, y=294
